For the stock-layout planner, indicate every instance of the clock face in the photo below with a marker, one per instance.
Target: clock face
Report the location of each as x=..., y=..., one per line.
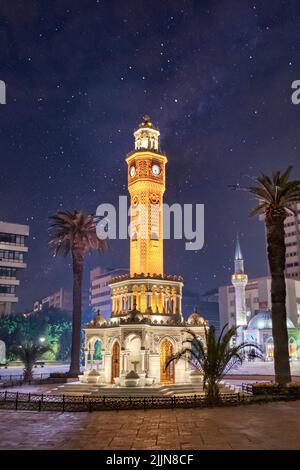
x=132, y=171
x=155, y=170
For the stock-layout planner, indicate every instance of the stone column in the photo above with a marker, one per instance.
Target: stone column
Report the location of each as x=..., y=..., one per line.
x=126, y=354
x=107, y=370
x=179, y=304
x=122, y=362
x=154, y=367
x=163, y=299
x=86, y=359
x=157, y=300
x=103, y=359
x=149, y=299
x=166, y=304
x=139, y=300
x=146, y=360
x=92, y=357
x=142, y=361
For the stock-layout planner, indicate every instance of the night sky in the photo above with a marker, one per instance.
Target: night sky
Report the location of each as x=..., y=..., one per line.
x=215, y=76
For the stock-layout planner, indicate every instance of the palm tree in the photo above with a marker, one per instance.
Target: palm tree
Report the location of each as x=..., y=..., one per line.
x=74, y=232
x=214, y=358
x=276, y=196
x=29, y=354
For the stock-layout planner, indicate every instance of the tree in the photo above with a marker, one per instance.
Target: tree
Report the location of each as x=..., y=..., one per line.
x=214, y=357
x=29, y=354
x=74, y=233
x=52, y=323
x=276, y=196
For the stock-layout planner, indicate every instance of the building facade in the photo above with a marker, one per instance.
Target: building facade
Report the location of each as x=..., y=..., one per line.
x=247, y=305
x=258, y=298
x=292, y=243
x=146, y=326
x=259, y=331
x=13, y=249
x=100, y=292
x=62, y=299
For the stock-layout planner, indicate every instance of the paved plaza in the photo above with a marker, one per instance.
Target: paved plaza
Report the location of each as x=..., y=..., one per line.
x=266, y=426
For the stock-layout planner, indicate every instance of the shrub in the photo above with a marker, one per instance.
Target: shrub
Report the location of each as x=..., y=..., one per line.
x=271, y=388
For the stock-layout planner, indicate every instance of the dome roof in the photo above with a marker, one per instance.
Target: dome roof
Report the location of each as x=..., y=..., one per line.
x=195, y=319
x=263, y=321
x=99, y=320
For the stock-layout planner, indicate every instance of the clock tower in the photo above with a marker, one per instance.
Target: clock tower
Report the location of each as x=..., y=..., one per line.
x=147, y=288
x=146, y=185
x=146, y=327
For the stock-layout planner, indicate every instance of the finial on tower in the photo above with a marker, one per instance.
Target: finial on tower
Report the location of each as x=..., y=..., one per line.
x=146, y=122
x=238, y=251
x=238, y=258
x=146, y=136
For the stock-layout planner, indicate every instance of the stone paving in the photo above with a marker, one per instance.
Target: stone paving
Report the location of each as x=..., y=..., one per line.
x=265, y=426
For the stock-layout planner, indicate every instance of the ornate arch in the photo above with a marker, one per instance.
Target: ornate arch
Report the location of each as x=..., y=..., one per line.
x=166, y=350
x=115, y=359
x=170, y=338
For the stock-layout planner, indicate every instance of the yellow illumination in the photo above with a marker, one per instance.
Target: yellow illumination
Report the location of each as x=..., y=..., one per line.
x=146, y=188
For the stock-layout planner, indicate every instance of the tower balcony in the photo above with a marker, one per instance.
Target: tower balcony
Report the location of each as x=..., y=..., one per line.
x=150, y=296
x=158, y=277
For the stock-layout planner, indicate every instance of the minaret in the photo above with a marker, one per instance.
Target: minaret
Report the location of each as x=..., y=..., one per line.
x=146, y=185
x=239, y=280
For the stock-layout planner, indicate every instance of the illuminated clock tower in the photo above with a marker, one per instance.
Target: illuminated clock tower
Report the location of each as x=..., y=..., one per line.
x=146, y=327
x=147, y=289
x=146, y=185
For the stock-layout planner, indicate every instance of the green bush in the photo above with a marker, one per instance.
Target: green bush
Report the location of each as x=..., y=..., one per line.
x=271, y=388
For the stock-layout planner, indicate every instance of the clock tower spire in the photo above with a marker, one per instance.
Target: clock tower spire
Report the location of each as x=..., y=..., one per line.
x=147, y=289
x=146, y=186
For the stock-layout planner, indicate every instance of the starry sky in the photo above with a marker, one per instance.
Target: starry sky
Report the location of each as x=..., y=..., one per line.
x=215, y=76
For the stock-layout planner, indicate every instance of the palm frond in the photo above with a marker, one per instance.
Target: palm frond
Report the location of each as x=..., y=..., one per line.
x=275, y=194
x=72, y=230
x=215, y=356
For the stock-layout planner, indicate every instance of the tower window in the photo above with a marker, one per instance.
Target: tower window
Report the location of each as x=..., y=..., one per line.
x=154, y=232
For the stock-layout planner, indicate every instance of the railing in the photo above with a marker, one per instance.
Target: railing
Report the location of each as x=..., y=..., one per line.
x=45, y=402
x=247, y=389
x=14, y=380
